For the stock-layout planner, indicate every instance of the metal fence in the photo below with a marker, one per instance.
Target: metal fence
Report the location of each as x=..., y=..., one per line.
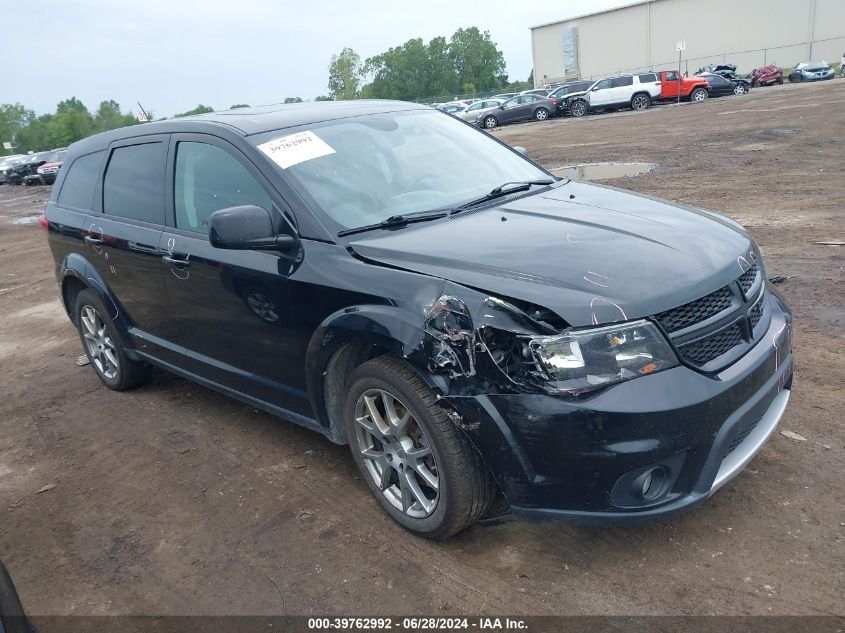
x=784, y=56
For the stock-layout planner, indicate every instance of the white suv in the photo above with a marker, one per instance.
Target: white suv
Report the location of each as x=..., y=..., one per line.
x=633, y=91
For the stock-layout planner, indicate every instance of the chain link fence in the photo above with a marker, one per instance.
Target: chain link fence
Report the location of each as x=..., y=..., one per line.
x=786, y=57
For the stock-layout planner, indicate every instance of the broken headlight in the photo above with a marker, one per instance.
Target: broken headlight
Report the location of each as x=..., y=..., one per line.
x=581, y=360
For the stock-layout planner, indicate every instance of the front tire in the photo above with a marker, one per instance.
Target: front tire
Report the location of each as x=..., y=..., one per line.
x=640, y=102
x=740, y=89
x=490, y=122
x=103, y=346
x=418, y=464
x=578, y=109
x=541, y=114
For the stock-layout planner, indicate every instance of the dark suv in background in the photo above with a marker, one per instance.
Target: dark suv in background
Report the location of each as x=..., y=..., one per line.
x=482, y=334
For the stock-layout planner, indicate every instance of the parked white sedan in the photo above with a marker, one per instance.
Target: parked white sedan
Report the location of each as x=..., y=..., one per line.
x=471, y=112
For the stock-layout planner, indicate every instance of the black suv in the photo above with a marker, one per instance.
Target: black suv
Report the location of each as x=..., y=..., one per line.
x=482, y=335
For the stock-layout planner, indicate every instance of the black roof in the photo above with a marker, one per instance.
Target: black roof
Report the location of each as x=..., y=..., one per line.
x=276, y=117
x=248, y=121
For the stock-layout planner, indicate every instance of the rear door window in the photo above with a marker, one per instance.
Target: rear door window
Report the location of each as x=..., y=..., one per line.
x=208, y=179
x=81, y=180
x=133, y=186
x=647, y=78
x=619, y=82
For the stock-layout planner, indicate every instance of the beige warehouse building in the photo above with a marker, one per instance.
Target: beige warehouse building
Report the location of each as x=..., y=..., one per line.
x=643, y=36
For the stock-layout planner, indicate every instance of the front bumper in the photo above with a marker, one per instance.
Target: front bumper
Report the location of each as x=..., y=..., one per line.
x=581, y=459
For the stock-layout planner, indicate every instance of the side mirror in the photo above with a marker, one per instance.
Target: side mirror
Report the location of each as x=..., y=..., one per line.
x=519, y=149
x=246, y=227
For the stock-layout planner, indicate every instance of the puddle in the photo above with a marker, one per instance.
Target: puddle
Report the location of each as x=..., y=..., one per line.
x=603, y=171
x=30, y=219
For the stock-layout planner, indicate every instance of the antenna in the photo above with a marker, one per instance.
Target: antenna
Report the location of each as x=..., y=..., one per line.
x=146, y=118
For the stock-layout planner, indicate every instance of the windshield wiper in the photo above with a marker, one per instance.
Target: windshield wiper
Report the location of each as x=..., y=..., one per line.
x=501, y=190
x=396, y=221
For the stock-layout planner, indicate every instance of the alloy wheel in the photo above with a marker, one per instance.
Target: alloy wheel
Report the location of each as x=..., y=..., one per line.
x=541, y=114
x=578, y=109
x=101, y=348
x=397, y=453
x=699, y=95
x=490, y=122
x=640, y=102
x=739, y=89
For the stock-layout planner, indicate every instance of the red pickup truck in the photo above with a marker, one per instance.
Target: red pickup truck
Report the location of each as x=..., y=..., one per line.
x=692, y=88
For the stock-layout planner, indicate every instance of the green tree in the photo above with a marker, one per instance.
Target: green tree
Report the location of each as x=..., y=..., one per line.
x=109, y=117
x=293, y=99
x=71, y=122
x=13, y=118
x=345, y=75
x=238, y=105
x=36, y=136
x=323, y=98
x=441, y=78
x=400, y=73
x=476, y=59
x=200, y=109
x=468, y=62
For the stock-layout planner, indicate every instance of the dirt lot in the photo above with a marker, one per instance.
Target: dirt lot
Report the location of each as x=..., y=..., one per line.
x=175, y=500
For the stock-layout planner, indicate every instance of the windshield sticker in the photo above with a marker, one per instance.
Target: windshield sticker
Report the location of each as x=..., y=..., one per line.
x=291, y=150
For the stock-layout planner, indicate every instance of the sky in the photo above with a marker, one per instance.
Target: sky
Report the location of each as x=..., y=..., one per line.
x=174, y=54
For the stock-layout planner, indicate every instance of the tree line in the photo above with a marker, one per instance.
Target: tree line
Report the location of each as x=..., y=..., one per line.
x=469, y=62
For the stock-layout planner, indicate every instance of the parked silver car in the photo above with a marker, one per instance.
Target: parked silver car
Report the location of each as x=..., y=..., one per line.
x=811, y=71
x=474, y=110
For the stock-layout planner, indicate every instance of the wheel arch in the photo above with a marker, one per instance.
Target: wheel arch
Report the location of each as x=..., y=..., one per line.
x=644, y=93
x=77, y=275
x=350, y=337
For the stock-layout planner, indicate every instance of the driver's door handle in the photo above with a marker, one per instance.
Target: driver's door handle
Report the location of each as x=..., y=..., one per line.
x=93, y=241
x=178, y=264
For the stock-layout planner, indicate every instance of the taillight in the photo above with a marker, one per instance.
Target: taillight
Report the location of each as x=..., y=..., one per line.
x=42, y=220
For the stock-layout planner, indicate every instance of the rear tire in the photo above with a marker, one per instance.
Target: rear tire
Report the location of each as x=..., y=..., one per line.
x=103, y=345
x=578, y=108
x=391, y=419
x=541, y=114
x=698, y=95
x=641, y=102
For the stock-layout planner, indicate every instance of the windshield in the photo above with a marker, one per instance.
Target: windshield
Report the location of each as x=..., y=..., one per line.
x=382, y=165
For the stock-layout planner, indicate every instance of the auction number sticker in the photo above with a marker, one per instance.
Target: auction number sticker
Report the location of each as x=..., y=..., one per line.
x=293, y=149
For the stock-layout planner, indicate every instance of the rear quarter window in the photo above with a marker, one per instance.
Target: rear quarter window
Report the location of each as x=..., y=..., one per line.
x=81, y=180
x=133, y=186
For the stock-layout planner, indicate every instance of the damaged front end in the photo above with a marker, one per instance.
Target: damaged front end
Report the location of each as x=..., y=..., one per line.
x=490, y=342
x=528, y=348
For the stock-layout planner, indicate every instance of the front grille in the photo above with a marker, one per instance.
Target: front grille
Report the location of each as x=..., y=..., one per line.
x=756, y=312
x=746, y=280
x=709, y=348
x=696, y=311
x=739, y=439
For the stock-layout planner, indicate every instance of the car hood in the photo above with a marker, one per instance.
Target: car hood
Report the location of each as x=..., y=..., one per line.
x=579, y=93
x=472, y=116
x=592, y=254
